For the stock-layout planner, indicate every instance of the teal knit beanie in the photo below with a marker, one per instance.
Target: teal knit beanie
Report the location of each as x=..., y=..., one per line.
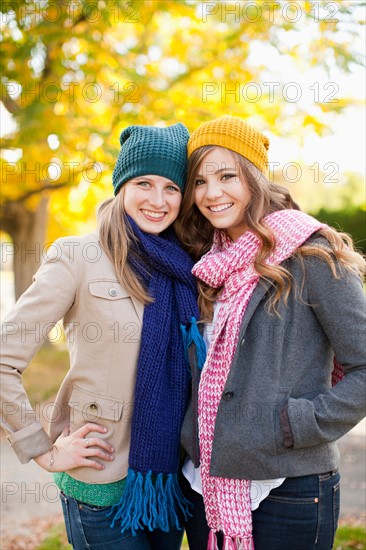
x=147, y=150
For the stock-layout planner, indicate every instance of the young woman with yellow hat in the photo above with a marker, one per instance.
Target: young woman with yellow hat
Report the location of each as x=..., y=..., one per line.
x=285, y=296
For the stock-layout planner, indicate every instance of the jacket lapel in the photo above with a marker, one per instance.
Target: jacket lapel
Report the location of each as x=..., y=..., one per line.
x=260, y=290
x=139, y=307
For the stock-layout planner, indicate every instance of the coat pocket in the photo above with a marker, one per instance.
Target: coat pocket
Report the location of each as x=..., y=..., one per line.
x=89, y=407
x=115, y=415
x=107, y=289
x=115, y=313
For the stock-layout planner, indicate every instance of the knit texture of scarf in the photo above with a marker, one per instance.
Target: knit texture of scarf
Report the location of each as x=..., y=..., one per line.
x=231, y=265
x=152, y=497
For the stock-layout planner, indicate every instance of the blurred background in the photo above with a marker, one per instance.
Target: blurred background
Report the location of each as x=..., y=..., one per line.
x=75, y=73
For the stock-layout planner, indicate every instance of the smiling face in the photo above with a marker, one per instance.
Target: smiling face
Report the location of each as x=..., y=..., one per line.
x=153, y=202
x=221, y=195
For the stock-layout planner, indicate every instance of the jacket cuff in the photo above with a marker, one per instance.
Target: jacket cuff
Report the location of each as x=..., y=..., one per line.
x=30, y=442
x=289, y=438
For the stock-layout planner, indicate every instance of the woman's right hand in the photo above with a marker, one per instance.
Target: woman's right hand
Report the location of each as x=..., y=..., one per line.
x=75, y=450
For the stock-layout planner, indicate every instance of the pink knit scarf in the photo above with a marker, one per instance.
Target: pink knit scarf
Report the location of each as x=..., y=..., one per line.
x=231, y=265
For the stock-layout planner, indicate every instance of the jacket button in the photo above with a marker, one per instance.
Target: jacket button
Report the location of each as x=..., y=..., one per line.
x=93, y=407
x=228, y=395
x=242, y=342
x=112, y=292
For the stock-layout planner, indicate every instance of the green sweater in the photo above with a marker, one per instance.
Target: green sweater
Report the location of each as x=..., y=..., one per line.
x=96, y=494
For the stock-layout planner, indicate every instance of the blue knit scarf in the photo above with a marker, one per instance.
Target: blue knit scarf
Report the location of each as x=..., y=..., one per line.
x=152, y=497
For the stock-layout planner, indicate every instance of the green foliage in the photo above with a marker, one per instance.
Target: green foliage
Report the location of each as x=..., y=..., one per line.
x=45, y=373
x=352, y=221
x=350, y=538
x=55, y=540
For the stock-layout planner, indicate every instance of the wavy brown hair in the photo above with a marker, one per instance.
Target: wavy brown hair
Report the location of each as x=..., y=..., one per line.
x=116, y=235
x=196, y=232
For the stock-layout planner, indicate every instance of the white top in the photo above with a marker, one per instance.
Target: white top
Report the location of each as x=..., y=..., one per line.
x=259, y=490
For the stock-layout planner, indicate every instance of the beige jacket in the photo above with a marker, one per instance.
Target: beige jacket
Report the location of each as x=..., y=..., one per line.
x=102, y=323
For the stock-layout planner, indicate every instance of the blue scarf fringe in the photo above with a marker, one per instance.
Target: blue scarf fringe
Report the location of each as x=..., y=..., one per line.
x=192, y=334
x=152, y=501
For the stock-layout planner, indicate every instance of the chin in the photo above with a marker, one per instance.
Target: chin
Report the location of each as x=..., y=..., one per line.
x=219, y=225
x=154, y=229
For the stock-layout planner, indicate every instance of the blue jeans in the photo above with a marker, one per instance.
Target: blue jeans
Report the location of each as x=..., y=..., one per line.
x=88, y=528
x=301, y=514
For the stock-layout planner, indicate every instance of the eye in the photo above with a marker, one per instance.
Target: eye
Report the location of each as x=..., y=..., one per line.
x=173, y=188
x=142, y=183
x=199, y=182
x=226, y=177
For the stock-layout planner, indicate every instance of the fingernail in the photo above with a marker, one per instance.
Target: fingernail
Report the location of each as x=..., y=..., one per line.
x=112, y=457
x=112, y=449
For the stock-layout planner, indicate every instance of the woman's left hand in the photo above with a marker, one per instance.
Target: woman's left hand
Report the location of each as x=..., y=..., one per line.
x=75, y=450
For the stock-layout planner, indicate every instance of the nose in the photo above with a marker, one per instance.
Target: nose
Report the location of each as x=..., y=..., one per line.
x=157, y=198
x=213, y=189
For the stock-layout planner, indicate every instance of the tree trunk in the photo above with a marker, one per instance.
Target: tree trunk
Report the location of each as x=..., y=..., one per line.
x=27, y=230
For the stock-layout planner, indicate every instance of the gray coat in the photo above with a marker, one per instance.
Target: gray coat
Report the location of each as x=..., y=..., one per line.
x=278, y=415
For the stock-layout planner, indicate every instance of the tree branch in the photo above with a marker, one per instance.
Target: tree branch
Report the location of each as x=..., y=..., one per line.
x=45, y=187
x=10, y=104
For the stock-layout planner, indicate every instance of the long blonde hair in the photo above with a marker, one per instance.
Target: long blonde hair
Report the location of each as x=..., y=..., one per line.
x=115, y=236
x=196, y=232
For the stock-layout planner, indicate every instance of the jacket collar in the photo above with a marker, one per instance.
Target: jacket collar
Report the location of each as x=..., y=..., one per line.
x=262, y=287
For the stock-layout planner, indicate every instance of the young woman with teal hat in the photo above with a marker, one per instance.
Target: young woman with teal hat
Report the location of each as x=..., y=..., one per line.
x=123, y=294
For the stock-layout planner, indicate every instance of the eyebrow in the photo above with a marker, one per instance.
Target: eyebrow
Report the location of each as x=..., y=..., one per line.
x=150, y=180
x=141, y=178
x=226, y=169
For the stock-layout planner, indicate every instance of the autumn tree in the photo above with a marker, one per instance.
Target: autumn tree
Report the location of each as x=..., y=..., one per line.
x=75, y=72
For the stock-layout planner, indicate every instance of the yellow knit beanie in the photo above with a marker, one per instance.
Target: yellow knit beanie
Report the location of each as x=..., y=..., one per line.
x=234, y=134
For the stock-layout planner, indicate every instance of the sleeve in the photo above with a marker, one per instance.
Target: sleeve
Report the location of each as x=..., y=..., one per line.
x=23, y=331
x=340, y=307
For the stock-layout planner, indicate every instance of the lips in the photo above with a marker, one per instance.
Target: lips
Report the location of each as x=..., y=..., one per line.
x=220, y=207
x=156, y=216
